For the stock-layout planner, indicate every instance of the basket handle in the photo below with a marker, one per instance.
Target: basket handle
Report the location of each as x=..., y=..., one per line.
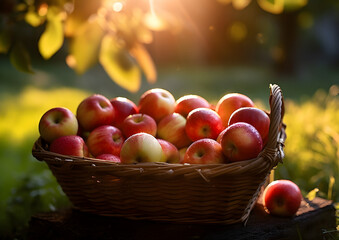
x=277, y=136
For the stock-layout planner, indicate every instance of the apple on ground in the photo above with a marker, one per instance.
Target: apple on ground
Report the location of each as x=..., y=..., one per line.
x=140, y=148
x=203, y=123
x=171, y=153
x=282, y=198
x=94, y=111
x=156, y=103
x=254, y=116
x=187, y=103
x=204, y=151
x=172, y=129
x=231, y=102
x=105, y=139
x=139, y=122
x=123, y=107
x=241, y=141
x=57, y=122
x=109, y=157
x=70, y=145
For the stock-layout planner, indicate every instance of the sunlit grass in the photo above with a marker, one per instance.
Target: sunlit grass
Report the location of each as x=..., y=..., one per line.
x=312, y=144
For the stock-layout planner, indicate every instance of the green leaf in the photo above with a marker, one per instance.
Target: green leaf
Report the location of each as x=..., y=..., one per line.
x=85, y=46
x=312, y=194
x=5, y=41
x=145, y=62
x=52, y=38
x=119, y=64
x=33, y=18
x=272, y=6
x=20, y=58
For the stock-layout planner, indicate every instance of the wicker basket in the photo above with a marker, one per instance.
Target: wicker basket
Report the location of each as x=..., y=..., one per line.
x=211, y=193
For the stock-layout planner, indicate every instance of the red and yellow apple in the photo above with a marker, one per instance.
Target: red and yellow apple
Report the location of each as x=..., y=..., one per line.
x=172, y=129
x=171, y=153
x=187, y=103
x=141, y=147
x=105, y=139
x=203, y=123
x=109, y=157
x=204, y=151
x=241, y=141
x=156, y=103
x=123, y=107
x=282, y=198
x=57, y=122
x=70, y=145
x=231, y=102
x=94, y=111
x=139, y=122
x=254, y=116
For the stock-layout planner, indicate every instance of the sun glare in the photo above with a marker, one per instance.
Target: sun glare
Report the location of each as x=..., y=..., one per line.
x=117, y=6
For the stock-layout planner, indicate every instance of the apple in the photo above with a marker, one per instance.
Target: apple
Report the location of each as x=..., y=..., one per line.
x=57, y=122
x=182, y=153
x=254, y=116
x=204, y=151
x=231, y=102
x=282, y=198
x=171, y=153
x=123, y=107
x=141, y=147
x=139, y=122
x=241, y=141
x=105, y=139
x=203, y=123
x=187, y=103
x=94, y=111
x=156, y=103
x=172, y=129
x=109, y=157
x=70, y=145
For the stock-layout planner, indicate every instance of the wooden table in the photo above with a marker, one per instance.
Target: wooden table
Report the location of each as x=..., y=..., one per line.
x=314, y=220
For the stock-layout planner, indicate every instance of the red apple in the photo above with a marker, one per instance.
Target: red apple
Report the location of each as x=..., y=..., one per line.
x=204, y=151
x=95, y=111
x=229, y=103
x=182, y=153
x=109, y=157
x=139, y=123
x=71, y=145
x=171, y=153
x=172, y=128
x=157, y=103
x=141, y=147
x=282, y=198
x=203, y=123
x=187, y=103
x=254, y=116
x=105, y=139
x=123, y=107
x=241, y=141
x=57, y=122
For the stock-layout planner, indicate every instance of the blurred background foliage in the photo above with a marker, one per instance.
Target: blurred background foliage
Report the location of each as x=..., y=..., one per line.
x=67, y=49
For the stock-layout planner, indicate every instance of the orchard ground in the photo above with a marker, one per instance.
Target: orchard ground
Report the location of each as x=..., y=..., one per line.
x=27, y=186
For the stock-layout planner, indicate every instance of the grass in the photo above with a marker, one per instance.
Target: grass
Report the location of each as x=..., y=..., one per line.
x=27, y=186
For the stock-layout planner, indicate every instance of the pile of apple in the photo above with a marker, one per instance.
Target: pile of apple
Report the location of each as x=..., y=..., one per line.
x=158, y=129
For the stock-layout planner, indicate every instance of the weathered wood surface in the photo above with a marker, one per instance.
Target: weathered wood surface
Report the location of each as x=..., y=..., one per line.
x=311, y=221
